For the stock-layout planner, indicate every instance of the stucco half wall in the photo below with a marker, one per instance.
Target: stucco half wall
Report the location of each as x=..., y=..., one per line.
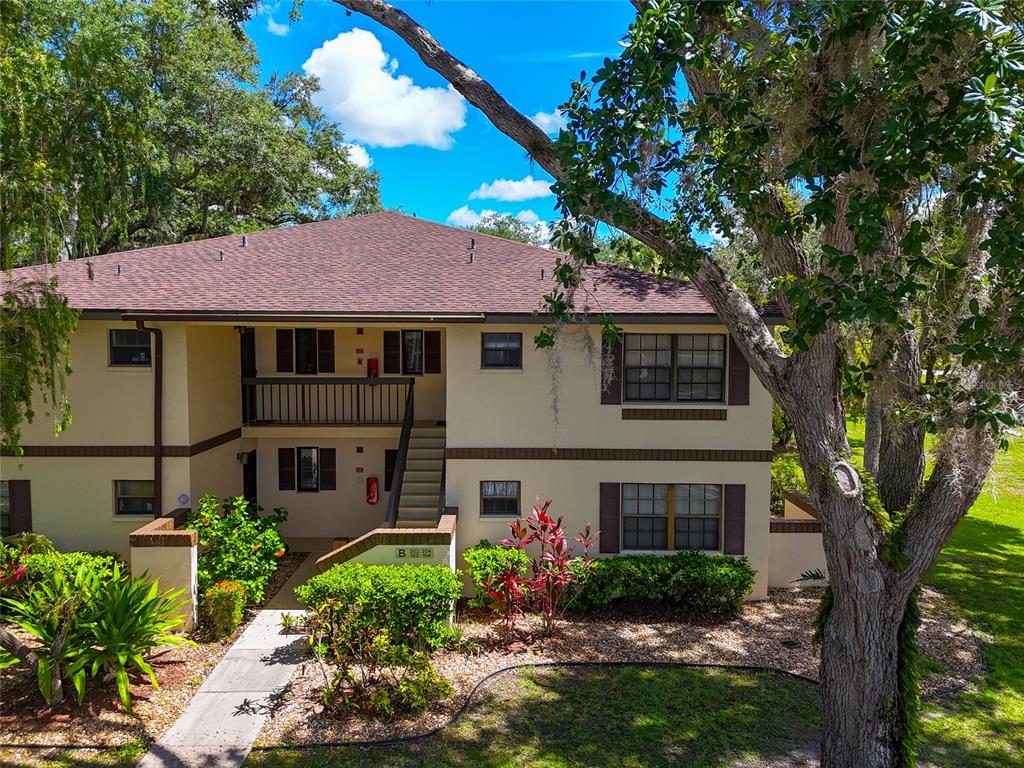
x=574, y=486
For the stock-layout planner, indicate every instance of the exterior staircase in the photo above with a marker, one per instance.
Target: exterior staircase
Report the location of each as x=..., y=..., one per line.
x=423, y=482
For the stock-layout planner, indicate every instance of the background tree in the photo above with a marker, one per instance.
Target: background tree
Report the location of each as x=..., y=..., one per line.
x=511, y=228
x=843, y=118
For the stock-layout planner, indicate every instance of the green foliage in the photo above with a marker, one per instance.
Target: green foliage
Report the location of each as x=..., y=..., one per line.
x=787, y=475
x=413, y=603
x=30, y=542
x=782, y=430
x=487, y=562
x=691, y=581
x=43, y=567
x=511, y=228
x=136, y=123
x=237, y=543
x=36, y=324
x=93, y=622
x=222, y=606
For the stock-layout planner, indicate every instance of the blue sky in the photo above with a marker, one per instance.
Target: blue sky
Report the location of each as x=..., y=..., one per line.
x=410, y=129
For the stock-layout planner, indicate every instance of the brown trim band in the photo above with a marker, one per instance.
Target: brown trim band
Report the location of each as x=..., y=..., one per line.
x=128, y=451
x=608, y=454
x=794, y=526
x=674, y=414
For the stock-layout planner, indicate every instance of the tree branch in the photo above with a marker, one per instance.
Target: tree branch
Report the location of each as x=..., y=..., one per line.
x=731, y=304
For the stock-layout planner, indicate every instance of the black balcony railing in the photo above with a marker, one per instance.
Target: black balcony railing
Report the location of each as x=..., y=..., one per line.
x=326, y=401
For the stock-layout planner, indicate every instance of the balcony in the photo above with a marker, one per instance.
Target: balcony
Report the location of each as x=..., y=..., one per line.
x=322, y=401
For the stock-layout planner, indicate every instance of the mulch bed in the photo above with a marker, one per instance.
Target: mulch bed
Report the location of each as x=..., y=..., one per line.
x=774, y=633
x=100, y=718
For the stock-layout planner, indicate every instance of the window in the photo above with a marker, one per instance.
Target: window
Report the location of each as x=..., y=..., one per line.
x=5, y=509
x=700, y=367
x=129, y=347
x=309, y=469
x=684, y=367
x=134, y=497
x=501, y=350
x=644, y=516
x=499, y=498
x=412, y=352
x=647, y=362
x=698, y=510
x=305, y=350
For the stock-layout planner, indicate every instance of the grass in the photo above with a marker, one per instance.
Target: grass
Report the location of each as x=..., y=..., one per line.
x=616, y=717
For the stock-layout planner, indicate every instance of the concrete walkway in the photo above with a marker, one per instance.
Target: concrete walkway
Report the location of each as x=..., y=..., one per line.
x=225, y=716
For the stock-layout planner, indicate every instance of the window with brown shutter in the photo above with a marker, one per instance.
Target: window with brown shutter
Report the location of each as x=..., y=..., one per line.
x=285, y=350
x=325, y=351
x=431, y=351
x=611, y=394
x=328, y=469
x=286, y=469
x=609, y=517
x=734, y=519
x=739, y=376
x=392, y=351
x=20, y=492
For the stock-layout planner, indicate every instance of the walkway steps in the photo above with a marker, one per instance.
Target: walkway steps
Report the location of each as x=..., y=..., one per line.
x=421, y=484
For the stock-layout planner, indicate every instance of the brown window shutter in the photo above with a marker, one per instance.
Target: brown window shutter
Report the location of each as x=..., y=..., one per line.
x=328, y=469
x=739, y=376
x=325, y=351
x=735, y=519
x=612, y=394
x=286, y=469
x=431, y=351
x=21, y=505
x=390, y=457
x=609, y=517
x=392, y=351
x=285, y=350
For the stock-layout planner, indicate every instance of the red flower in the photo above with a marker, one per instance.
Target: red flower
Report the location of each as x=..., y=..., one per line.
x=279, y=553
x=255, y=547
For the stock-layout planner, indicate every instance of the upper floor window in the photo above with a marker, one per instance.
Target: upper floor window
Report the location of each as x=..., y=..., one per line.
x=501, y=350
x=684, y=367
x=305, y=350
x=134, y=497
x=412, y=352
x=129, y=347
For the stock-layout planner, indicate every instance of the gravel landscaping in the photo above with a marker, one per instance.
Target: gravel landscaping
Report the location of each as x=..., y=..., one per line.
x=100, y=719
x=774, y=633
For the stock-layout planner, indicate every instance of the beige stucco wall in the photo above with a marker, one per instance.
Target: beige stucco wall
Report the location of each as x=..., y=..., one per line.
x=793, y=554
x=488, y=408
x=216, y=471
x=174, y=568
x=429, y=388
x=343, y=512
x=792, y=512
x=214, y=381
x=573, y=487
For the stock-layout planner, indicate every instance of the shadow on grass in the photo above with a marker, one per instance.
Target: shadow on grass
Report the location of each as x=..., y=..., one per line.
x=611, y=717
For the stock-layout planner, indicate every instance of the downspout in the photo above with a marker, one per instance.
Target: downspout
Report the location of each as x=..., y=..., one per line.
x=158, y=414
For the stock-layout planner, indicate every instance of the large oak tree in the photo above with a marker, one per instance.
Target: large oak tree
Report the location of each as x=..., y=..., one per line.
x=845, y=122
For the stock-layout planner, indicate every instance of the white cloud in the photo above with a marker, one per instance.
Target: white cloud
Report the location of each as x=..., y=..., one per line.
x=512, y=190
x=358, y=155
x=276, y=28
x=550, y=122
x=360, y=88
x=540, y=227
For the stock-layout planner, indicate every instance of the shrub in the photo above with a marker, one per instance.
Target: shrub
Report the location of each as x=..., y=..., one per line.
x=93, y=622
x=222, y=607
x=413, y=603
x=237, y=543
x=787, y=475
x=487, y=562
x=697, y=583
x=31, y=542
x=39, y=567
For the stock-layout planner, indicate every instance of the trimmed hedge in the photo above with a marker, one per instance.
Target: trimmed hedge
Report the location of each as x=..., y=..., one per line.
x=692, y=581
x=487, y=561
x=412, y=602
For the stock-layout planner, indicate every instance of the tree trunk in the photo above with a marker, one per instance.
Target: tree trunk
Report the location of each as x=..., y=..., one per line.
x=859, y=693
x=872, y=431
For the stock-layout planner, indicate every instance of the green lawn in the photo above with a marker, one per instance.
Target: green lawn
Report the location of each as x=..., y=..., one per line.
x=622, y=717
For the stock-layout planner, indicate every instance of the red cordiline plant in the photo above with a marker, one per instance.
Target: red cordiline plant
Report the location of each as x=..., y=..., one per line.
x=555, y=568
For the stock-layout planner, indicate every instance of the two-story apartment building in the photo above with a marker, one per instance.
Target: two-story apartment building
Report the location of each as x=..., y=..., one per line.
x=374, y=370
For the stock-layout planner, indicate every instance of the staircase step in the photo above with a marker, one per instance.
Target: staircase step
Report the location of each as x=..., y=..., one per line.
x=426, y=453
x=421, y=487
x=422, y=465
x=426, y=441
x=430, y=475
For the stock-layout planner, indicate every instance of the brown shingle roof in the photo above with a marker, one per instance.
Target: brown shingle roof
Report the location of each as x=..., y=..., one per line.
x=381, y=263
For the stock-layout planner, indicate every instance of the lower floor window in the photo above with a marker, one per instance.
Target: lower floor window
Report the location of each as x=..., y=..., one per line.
x=664, y=516
x=499, y=498
x=134, y=497
x=309, y=469
x=5, y=509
